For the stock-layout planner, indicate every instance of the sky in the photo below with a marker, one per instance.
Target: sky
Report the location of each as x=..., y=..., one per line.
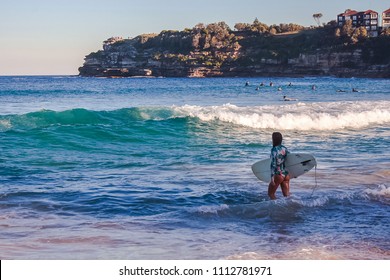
x=52, y=37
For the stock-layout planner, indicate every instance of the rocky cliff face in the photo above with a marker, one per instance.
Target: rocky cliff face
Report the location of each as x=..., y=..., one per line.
x=216, y=53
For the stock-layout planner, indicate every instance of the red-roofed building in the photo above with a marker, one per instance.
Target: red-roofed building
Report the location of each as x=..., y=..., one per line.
x=348, y=14
x=367, y=19
x=386, y=19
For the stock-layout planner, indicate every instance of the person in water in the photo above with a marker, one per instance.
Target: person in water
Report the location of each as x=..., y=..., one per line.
x=279, y=175
x=285, y=98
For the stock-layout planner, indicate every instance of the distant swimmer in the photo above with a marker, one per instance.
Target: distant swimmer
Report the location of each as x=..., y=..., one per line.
x=290, y=84
x=279, y=88
x=285, y=98
x=247, y=84
x=262, y=84
x=271, y=84
x=340, y=90
x=313, y=87
x=257, y=88
x=354, y=90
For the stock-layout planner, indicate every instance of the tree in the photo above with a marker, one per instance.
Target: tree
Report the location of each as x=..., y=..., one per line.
x=347, y=29
x=199, y=27
x=359, y=34
x=224, y=26
x=272, y=30
x=337, y=32
x=386, y=32
x=242, y=26
x=259, y=27
x=317, y=18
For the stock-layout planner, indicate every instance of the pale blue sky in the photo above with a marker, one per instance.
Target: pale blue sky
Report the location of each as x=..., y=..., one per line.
x=44, y=37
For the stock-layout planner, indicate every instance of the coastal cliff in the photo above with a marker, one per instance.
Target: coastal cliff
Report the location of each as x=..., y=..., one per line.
x=217, y=51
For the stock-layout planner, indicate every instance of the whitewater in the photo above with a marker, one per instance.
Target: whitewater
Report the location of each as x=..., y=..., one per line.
x=159, y=168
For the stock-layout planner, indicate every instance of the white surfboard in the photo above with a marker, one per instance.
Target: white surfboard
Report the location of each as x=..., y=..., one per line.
x=296, y=164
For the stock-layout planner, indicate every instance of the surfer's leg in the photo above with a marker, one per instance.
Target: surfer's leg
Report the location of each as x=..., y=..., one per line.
x=273, y=185
x=285, y=185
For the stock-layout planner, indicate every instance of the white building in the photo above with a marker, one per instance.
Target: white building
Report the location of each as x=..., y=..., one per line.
x=386, y=19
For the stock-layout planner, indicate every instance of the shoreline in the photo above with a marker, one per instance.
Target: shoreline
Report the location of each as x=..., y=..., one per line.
x=247, y=73
x=233, y=77
x=200, y=77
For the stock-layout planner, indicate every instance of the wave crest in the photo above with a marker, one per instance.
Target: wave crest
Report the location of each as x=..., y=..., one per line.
x=326, y=116
x=81, y=116
x=301, y=116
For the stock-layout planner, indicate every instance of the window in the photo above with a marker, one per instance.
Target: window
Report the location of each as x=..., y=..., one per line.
x=340, y=18
x=374, y=15
x=354, y=18
x=374, y=22
x=373, y=27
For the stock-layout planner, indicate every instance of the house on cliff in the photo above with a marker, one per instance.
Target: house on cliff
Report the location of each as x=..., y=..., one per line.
x=386, y=19
x=347, y=15
x=368, y=19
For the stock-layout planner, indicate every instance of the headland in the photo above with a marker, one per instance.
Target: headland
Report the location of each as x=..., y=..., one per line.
x=250, y=50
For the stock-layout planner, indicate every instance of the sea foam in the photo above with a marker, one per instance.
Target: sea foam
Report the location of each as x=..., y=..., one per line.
x=381, y=193
x=301, y=116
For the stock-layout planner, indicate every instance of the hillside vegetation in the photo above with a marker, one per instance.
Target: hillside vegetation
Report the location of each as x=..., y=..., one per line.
x=251, y=49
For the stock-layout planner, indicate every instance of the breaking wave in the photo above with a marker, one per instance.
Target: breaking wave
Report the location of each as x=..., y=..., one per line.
x=301, y=116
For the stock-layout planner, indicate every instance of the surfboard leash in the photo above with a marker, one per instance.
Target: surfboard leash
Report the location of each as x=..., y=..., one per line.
x=315, y=179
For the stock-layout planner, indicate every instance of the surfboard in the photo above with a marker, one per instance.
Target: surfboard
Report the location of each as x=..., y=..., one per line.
x=296, y=164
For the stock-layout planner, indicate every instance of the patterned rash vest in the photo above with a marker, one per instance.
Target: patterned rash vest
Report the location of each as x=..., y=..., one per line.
x=278, y=157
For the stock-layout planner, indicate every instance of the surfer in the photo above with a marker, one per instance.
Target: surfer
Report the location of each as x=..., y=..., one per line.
x=285, y=98
x=279, y=175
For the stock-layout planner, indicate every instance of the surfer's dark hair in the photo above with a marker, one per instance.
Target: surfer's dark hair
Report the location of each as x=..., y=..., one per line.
x=277, y=139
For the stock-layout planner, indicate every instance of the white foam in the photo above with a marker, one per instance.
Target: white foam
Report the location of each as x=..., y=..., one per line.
x=312, y=202
x=381, y=191
x=5, y=125
x=213, y=209
x=313, y=116
x=301, y=252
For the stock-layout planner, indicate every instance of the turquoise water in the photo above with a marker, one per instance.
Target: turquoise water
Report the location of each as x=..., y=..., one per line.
x=159, y=168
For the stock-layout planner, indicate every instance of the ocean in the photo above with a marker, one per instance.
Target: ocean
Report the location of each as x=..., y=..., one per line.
x=160, y=168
